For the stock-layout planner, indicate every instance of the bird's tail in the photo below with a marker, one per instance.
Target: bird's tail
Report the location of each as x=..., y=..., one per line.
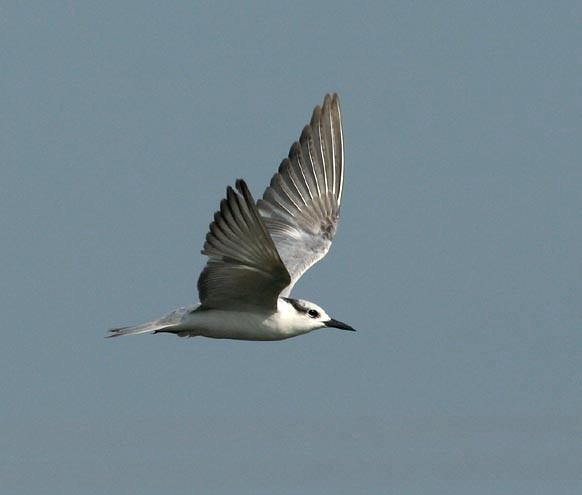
x=169, y=323
x=149, y=327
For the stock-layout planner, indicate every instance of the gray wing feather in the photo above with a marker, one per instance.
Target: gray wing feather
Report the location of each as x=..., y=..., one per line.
x=301, y=205
x=244, y=269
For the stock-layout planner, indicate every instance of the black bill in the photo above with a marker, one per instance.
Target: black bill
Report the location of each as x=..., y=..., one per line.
x=338, y=324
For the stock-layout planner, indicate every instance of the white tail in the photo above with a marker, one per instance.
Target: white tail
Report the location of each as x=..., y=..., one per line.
x=165, y=324
x=150, y=327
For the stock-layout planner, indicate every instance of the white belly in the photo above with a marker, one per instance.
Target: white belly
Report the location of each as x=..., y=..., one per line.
x=219, y=324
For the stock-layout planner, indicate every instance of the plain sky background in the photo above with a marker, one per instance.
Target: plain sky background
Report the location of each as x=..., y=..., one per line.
x=458, y=256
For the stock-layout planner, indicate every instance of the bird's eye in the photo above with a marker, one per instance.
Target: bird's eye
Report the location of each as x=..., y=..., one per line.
x=313, y=313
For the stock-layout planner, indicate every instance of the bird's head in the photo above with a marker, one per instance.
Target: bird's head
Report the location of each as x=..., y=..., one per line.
x=309, y=316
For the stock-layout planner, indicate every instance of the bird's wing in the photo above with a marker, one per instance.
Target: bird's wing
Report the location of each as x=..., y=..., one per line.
x=244, y=269
x=301, y=205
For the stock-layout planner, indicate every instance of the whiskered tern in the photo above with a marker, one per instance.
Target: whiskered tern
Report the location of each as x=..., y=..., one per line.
x=258, y=251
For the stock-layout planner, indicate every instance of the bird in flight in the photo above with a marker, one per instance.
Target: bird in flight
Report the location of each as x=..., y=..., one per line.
x=258, y=251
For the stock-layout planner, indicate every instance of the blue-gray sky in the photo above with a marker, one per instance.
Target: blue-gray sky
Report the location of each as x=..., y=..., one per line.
x=458, y=256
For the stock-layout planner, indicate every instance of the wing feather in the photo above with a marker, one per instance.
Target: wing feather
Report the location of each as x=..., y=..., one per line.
x=244, y=269
x=301, y=206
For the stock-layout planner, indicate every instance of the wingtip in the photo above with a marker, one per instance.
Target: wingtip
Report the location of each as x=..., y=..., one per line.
x=241, y=185
x=327, y=104
x=330, y=101
x=243, y=189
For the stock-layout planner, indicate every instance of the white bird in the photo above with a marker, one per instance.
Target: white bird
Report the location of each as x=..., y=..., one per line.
x=257, y=252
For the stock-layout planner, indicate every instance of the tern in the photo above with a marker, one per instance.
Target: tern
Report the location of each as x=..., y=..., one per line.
x=258, y=251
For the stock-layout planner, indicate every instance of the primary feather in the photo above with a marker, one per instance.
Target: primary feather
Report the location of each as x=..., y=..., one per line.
x=244, y=269
x=301, y=205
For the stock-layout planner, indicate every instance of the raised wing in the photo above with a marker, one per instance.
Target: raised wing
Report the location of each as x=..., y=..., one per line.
x=244, y=269
x=301, y=205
